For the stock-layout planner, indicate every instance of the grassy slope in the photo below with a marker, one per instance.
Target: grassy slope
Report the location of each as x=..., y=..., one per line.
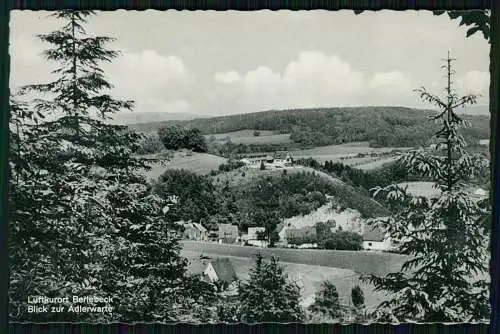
x=309, y=277
x=200, y=163
x=358, y=261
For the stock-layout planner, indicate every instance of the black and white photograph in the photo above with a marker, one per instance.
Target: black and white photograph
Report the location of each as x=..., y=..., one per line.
x=249, y=167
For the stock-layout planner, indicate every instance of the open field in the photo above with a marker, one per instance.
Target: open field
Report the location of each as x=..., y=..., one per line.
x=362, y=262
x=308, y=277
x=200, y=163
x=376, y=163
x=247, y=137
x=337, y=152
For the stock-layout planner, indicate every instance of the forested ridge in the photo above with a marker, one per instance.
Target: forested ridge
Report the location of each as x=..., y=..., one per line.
x=381, y=126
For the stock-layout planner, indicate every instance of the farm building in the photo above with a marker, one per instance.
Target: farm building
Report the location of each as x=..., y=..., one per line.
x=374, y=239
x=283, y=158
x=278, y=159
x=305, y=234
x=194, y=231
x=228, y=233
x=220, y=270
x=484, y=142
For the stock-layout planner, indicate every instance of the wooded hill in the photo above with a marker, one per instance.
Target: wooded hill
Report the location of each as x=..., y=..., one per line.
x=381, y=126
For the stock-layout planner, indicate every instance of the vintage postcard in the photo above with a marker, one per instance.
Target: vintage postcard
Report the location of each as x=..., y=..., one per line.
x=249, y=167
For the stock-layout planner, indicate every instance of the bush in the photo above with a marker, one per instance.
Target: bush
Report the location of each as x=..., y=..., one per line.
x=343, y=240
x=256, y=133
x=326, y=301
x=176, y=137
x=149, y=143
x=231, y=165
x=357, y=296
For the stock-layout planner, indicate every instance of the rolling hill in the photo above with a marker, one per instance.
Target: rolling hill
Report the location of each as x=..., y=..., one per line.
x=381, y=126
x=343, y=194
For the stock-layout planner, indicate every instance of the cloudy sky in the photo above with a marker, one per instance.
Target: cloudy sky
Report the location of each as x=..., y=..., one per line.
x=218, y=63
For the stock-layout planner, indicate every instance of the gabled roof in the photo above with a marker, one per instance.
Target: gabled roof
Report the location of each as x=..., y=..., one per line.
x=197, y=266
x=373, y=234
x=224, y=269
x=200, y=227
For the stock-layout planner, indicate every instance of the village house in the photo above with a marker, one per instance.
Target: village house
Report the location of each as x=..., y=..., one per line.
x=202, y=232
x=252, y=237
x=197, y=267
x=254, y=231
x=220, y=269
x=228, y=233
x=375, y=240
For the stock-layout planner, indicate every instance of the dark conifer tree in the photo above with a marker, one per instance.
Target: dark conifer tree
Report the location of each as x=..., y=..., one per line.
x=269, y=296
x=444, y=281
x=92, y=224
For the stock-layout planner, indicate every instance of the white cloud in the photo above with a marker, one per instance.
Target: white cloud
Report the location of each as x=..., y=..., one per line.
x=27, y=64
x=327, y=74
x=391, y=82
x=148, y=74
x=262, y=75
x=227, y=77
x=313, y=79
x=474, y=82
x=155, y=82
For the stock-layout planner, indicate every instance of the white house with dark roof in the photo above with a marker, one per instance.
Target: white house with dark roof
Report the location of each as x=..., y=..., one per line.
x=375, y=240
x=220, y=270
x=283, y=157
